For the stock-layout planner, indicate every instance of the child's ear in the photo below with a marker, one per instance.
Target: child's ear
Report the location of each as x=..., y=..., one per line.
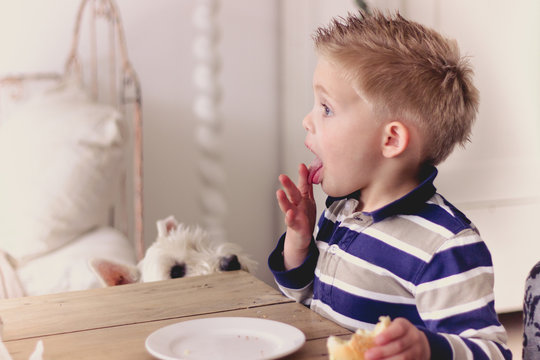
x=395, y=139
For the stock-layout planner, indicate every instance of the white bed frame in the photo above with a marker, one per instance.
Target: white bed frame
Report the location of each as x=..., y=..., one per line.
x=111, y=79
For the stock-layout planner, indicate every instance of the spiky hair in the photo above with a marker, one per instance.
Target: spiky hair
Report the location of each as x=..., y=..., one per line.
x=409, y=72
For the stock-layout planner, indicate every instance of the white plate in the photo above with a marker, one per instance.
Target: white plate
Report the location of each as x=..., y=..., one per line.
x=225, y=338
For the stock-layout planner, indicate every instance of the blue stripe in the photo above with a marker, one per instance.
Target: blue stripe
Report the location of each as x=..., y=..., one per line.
x=475, y=319
x=457, y=260
x=439, y=345
x=456, y=212
x=326, y=229
x=296, y=278
x=379, y=253
x=478, y=353
x=358, y=307
x=506, y=353
x=439, y=216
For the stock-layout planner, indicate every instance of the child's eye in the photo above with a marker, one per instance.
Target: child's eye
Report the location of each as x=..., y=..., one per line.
x=327, y=110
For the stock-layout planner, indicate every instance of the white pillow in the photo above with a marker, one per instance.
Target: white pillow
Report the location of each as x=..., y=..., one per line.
x=67, y=269
x=60, y=155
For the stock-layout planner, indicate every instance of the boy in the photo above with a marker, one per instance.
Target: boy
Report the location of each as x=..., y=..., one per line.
x=392, y=98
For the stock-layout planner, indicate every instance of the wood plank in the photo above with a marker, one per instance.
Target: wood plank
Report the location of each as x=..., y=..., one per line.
x=74, y=311
x=313, y=350
x=127, y=342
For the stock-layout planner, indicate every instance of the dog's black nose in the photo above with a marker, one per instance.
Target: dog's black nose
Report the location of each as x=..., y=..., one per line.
x=178, y=271
x=229, y=263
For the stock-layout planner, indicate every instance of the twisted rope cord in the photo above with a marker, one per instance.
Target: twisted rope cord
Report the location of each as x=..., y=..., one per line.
x=206, y=109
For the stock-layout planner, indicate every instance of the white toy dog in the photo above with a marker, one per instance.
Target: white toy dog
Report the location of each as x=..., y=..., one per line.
x=178, y=251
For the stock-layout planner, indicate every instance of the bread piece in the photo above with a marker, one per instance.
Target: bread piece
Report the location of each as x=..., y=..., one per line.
x=360, y=341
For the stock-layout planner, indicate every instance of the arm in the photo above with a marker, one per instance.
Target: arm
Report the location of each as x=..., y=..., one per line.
x=295, y=283
x=454, y=297
x=295, y=257
x=298, y=206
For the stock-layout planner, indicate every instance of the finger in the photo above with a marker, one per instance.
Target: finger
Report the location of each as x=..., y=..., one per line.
x=283, y=202
x=306, y=189
x=399, y=338
x=396, y=329
x=394, y=348
x=290, y=218
x=291, y=190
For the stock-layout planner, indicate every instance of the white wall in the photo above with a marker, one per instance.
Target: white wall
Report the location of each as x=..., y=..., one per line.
x=35, y=35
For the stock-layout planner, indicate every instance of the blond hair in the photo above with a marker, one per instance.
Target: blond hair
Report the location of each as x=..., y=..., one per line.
x=409, y=72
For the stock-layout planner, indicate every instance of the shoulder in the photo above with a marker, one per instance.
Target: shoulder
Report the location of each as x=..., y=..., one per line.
x=431, y=227
x=440, y=211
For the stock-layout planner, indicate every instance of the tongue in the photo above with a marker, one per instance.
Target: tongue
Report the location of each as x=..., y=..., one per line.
x=315, y=168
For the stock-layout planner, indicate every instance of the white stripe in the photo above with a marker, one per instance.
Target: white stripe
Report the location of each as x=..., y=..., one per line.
x=323, y=247
x=452, y=348
x=329, y=215
x=483, y=346
x=392, y=241
x=458, y=309
x=461, y=344
x=453, y=279
x=346, y=209
x=343, y=217
x=329, y=280
x=341, y=319
x=431, y=226
x=495, y=333
x=460, y=241
x=437, y=200
x=488, y=350
x=303, y=295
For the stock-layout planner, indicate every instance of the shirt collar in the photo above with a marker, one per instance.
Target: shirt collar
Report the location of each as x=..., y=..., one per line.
x=407, y=204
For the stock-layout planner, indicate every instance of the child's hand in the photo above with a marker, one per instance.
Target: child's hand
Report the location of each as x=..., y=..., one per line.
x=298, y=205
x=400, y=341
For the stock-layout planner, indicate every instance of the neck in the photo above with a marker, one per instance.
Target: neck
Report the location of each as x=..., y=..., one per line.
x=388, y=187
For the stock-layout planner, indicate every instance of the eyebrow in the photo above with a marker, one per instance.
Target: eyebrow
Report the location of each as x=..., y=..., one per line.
x=319, y=87
x=358, y=93
x=322, y=89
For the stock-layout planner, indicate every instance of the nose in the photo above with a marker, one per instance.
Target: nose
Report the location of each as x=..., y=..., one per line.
x=178, y=271
x=229, y=263
x=307, y=123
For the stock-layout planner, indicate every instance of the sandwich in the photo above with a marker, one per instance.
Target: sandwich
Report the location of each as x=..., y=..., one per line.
x=358, y=344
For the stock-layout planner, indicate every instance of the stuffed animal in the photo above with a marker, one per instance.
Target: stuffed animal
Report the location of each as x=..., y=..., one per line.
x=179, y=251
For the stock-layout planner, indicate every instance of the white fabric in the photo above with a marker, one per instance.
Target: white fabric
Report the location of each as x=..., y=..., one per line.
x=60, y=155
x=37, y=354
x=10, y=286
x=67, y=269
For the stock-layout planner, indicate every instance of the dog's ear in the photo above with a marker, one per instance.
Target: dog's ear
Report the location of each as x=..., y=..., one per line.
x=165, y=226
x=112, y=274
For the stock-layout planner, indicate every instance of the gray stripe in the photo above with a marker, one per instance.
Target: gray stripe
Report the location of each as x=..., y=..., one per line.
x=459, y=347
x=411, y=233
x=456, y=294
x=336, y=267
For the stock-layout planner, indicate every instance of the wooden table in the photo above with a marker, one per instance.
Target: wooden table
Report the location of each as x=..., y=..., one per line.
x=113, y=323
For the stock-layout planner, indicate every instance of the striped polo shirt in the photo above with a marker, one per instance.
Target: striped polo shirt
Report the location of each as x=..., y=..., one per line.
x=418, y=257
